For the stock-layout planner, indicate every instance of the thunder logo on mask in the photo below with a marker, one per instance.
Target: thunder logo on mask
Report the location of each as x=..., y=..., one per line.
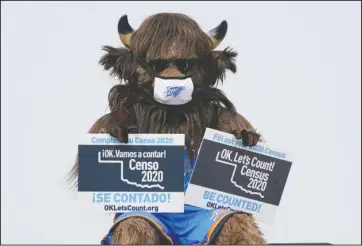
x=174, y=90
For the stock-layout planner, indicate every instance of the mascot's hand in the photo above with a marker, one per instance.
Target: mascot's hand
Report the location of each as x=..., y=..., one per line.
x=119, y=127
x=249, y=138
x=121, y=132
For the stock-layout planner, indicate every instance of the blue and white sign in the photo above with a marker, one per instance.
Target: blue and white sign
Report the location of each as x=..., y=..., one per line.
x=146, y=174
x=231, y=176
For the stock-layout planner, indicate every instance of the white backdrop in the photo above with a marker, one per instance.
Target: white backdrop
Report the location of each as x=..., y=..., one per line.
x=298, y=82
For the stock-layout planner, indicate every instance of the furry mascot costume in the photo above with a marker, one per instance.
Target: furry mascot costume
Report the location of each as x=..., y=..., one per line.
x=170, y=53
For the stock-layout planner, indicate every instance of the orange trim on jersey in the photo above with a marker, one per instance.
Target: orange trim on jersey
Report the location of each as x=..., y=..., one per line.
x=214, y=226
x=153, y=221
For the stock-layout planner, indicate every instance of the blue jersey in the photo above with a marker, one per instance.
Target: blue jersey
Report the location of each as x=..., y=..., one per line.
x=194, y=226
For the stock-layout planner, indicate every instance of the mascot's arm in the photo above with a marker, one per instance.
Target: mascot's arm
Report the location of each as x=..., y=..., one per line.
x=236, y=124
x=106, y=124
x=118, y=124
x=120, y=121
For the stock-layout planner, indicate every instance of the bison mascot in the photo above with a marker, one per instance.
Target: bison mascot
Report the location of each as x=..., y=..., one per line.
x=169, y=69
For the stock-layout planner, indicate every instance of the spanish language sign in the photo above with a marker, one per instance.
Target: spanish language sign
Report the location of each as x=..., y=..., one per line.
x=145, y=174
x=231, y=176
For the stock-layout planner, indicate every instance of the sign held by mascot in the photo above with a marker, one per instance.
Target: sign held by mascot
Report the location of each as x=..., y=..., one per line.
x=135, y=176
x=228, y=175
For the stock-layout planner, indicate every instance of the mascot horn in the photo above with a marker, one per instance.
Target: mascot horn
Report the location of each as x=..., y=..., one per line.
x=169, y=52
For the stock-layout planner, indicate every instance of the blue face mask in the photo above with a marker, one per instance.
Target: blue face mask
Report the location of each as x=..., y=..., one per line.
x=173, y=91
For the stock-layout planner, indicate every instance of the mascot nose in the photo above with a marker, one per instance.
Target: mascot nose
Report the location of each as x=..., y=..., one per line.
x=172, y=72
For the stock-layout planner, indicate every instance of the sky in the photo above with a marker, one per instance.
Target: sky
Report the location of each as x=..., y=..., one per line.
x=298, y=82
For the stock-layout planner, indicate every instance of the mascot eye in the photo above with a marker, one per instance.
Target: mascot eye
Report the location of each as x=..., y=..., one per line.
x=159, y=65
x=182, y=64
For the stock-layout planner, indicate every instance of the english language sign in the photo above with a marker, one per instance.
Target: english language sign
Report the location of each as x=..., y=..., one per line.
x=145, y=174
x=231, y=176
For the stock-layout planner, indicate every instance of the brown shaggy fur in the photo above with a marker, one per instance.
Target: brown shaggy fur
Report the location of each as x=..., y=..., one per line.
x=137, y=231
x=173, y=36
x=166, y=35
x=239, y=229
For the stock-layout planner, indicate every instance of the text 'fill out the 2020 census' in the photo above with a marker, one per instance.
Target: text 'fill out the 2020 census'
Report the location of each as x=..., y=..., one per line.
x=146, y=174
x=228, y=175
